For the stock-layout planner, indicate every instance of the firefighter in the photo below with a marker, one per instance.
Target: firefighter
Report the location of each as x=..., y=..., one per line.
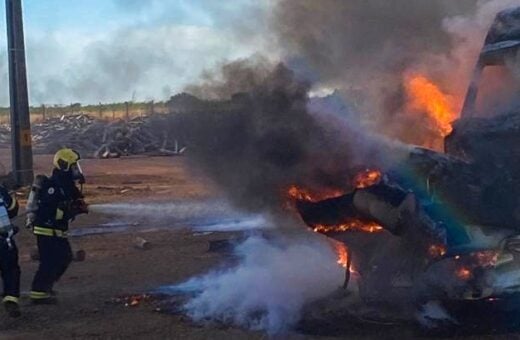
x=9, y=267
x=53, y=203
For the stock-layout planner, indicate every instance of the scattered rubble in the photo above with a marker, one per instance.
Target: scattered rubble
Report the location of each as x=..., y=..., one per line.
x=141, y=243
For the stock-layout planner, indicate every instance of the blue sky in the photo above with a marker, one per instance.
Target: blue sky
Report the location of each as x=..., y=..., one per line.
x=58, y=14
x=114, y=50
x=105, y=14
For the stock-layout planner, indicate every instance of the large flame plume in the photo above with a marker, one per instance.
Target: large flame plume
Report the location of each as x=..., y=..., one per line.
x=426, y=97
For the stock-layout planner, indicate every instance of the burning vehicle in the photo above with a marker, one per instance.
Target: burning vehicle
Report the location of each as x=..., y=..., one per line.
x=411, y=225
x=436, y=226
x=445, y=253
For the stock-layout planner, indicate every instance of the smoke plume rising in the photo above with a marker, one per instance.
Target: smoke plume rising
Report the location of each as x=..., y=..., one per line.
x=264, y=139
x=368, y=50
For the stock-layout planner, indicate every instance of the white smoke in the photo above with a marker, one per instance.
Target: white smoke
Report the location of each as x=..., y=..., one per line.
x=183, y=210
x=214, y=215
x=269, y=287
x=150, y=50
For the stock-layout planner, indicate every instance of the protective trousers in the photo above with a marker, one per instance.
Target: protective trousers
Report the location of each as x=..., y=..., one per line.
x=55, y=257
x=10, y=270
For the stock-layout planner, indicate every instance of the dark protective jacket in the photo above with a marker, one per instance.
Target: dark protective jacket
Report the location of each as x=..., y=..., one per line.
x=11, y=204
x=56, y=197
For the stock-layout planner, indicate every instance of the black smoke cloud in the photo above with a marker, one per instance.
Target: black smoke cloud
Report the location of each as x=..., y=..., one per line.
x=260, y=138
x=365, y=44
x=362, y=37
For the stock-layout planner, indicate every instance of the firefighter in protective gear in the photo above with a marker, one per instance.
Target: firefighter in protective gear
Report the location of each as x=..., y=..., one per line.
x=53, y=203
x=9, y=268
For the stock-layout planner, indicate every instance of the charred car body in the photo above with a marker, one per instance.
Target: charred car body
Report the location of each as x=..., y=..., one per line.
x=442, y=227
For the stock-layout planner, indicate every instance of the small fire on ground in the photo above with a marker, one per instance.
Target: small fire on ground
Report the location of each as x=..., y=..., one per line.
x=132, y=300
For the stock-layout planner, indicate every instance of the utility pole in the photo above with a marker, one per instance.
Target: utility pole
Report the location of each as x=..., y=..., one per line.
x=22, y=160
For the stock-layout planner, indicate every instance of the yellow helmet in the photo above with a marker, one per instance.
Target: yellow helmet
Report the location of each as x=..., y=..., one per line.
x=65, y=158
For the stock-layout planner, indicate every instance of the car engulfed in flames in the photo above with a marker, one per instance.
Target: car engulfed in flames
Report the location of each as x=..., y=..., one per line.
x=406, y=248
x=439, y=226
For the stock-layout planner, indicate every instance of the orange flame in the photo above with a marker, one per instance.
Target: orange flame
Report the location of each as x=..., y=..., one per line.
x=464, y=274
x=354, y=225
x=297, y=193
x=426, y=97
x=367, y=178
x=436, y=250
x=342, y=252
x=481, y=259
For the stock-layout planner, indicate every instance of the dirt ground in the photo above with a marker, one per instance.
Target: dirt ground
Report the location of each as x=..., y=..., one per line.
x=114, y=267
x=88, y=293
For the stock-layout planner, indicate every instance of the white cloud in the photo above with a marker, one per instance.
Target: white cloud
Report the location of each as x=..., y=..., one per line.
x=155, y=53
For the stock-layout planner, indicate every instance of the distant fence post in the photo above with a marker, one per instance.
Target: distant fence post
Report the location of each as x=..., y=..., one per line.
x=127, y=111
x=44, y=111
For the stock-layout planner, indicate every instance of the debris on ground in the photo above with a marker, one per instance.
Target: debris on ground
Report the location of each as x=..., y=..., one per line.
x=141, y=243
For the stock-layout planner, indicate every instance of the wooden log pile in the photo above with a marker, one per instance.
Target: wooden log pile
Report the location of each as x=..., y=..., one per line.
x=150, y=135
